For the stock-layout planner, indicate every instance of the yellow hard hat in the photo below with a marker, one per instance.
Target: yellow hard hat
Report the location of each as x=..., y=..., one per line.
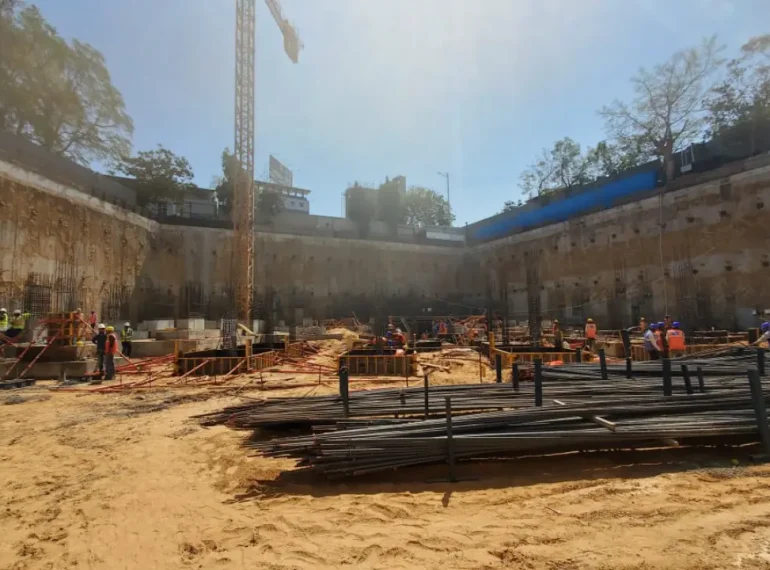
x=589, y=320
x=110, y=328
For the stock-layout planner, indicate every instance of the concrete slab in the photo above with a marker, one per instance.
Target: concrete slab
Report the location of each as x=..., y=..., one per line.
x=150, y=348
x=187, y=334
x=52, y=370
x=157, y=325
x=191, y=324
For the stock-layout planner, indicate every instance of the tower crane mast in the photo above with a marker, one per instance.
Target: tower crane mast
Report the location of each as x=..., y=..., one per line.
x=244, y=201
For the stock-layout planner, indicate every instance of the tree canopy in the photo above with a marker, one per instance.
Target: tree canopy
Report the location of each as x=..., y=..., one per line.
x=426, y=207
x=160, y=174
x=674, y=104
x=56, y=93
x=562, y=166
x=666, y=111
x=739, y=105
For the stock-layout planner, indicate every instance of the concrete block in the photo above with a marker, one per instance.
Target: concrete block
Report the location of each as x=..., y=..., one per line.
x=211, y=324
x=176, y=334
x=141, y=335
x=191, y=324
x=158, y=325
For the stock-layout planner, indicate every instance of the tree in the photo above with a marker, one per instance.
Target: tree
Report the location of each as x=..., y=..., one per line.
x=160, y=174
x=739, y=105
x=426, y=207
x=666, y=111
x=609, y=159
x=571, y=167
x=563, y=166
x=537, y=179
x=225, y=187
x=58, y=94
x=508, y=206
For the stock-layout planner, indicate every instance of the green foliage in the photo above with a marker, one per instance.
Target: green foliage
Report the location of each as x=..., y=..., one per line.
x=160, y=174
x=426, y=207
x=225, y=186
x=609, y=159
x=562, y=166
x=510, y=205
x=739, y=105
x=58, y=94
x=666, y=111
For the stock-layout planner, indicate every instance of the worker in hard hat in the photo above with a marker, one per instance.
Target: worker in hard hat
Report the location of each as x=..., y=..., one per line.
x=765, y=328
x=16, y=324
x=100, y=340
x=126, y=336
x=3, y=320
x=651, y=344
x=110, y=350
x=660, y=334
x=399, y=339
x=675, y=340
x=590, y=332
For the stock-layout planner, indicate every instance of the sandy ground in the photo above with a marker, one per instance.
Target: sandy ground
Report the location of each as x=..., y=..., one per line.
x=129, y=481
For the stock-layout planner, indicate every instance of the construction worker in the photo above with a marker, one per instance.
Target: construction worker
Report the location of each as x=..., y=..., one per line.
x=590, y=332
x=660, y=334
x=100, y=340
x=651, y=344
x=17, y=322
x=92, y=320
x=675, y=340
x=3, y=320
x=765, y=328
x=110, y=350
x=558, y=335
x=399, y=339
x=667, y=323
x=125, y=339
x=442, y=329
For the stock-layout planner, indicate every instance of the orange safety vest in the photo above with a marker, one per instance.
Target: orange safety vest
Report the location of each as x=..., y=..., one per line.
x=675, y=339
x=111, y=346
x=591, y=330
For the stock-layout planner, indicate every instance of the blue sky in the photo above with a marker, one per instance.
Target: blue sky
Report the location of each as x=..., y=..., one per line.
x=387, y=87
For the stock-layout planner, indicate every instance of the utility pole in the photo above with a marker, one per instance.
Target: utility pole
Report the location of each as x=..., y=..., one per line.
x=446, y=175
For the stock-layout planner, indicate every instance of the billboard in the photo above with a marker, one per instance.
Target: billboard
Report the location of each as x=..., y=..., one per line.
x=279, y=174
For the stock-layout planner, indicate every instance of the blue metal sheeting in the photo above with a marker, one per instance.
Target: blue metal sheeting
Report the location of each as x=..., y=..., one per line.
x=591, y=199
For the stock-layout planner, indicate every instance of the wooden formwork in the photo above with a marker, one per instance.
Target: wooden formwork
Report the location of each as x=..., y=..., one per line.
x=379, y=364
x=218, y=365
x=508, y=358
x=638, y=351
x=295, y=349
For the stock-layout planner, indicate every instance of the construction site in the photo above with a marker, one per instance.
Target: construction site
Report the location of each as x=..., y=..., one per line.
x=184, y=392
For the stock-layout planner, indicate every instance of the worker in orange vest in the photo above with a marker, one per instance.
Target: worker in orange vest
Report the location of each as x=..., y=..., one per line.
x=110, y=350
x=675, y=340
x=590, y=334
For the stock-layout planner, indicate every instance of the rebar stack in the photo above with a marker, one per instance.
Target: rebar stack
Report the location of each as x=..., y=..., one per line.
x=571, y=407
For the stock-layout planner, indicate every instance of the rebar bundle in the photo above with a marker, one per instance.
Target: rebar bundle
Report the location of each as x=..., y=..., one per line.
x=709, y=399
